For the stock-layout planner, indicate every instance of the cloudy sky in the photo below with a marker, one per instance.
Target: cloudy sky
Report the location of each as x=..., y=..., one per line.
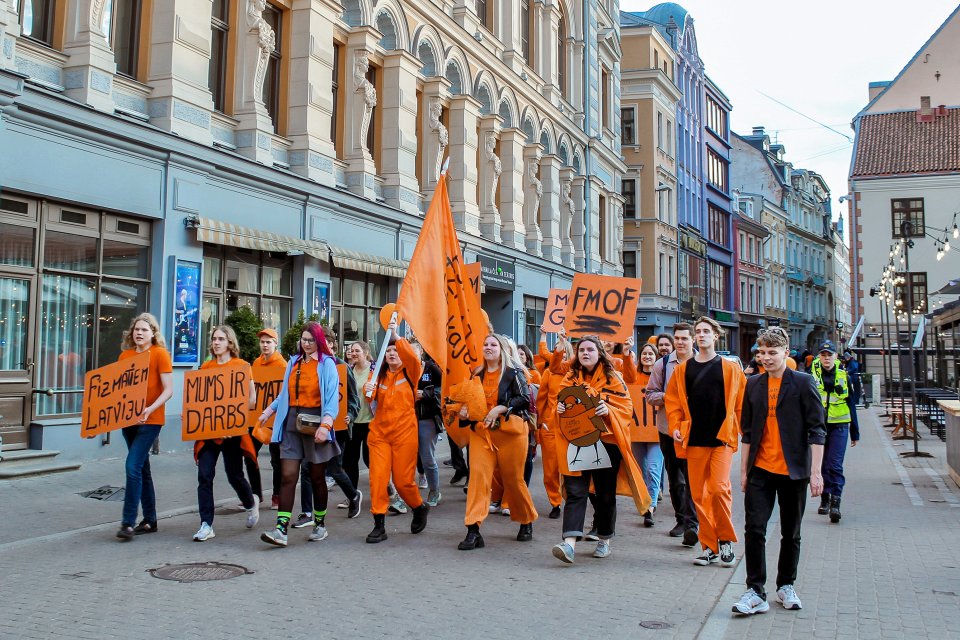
x=816, y=57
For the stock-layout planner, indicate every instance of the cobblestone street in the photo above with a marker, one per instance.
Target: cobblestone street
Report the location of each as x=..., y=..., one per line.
x=888, y=570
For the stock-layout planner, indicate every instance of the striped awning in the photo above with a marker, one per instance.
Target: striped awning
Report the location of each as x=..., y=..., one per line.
x=368, y=263
x=233, y=235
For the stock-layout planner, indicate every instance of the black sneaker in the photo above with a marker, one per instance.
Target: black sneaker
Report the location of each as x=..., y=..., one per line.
x=690, y=537
x=727, y=556
x=353, y=507
x=706, y=558
x=554, y=513
x=648, y=519
x=677, y=531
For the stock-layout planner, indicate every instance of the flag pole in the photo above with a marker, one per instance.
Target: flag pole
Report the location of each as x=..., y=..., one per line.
x=383, y=351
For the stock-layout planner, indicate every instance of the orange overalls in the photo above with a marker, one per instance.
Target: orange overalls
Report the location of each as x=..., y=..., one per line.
x=503, y=449
x=393, y=441
x=550, y=440
x=533, y=377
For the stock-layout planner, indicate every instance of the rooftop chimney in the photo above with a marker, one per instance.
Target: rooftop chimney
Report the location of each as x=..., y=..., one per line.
x=759, y=131
x=925, y=114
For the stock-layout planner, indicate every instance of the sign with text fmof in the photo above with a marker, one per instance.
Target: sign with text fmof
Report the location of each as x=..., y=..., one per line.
x=556, y=310
x=115, y=395
x=604, y=306
x=215, y=402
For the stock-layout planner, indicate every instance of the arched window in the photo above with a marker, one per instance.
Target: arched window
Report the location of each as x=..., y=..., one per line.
x=562, y=55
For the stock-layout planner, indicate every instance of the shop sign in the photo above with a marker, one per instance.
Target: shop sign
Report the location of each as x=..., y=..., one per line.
x=498, y=274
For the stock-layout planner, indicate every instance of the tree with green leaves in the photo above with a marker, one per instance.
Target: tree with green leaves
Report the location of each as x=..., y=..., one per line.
x=288, y=345
x=246, y=323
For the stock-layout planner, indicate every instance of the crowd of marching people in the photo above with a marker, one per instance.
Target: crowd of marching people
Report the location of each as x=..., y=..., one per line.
x=605, y=419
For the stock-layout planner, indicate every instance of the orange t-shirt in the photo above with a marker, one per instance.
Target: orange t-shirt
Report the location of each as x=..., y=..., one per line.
x=770, y=454
x=304, y=384
x=159, y=363
x=491, y=384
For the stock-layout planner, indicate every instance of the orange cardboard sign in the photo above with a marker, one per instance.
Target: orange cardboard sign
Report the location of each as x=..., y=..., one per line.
x=267, y=383
x=341, y=423
x=115, y=395
x=643, y=427
x=605, y=306
x=216, y=402
x=556, y=311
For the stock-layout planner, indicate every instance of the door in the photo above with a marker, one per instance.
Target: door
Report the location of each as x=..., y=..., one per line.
x=16, y=360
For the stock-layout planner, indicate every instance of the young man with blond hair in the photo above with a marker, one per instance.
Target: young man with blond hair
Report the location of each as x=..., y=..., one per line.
x=703, y=407
x=783, y=435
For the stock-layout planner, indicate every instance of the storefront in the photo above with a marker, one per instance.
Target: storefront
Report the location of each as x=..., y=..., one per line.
x=693, y=275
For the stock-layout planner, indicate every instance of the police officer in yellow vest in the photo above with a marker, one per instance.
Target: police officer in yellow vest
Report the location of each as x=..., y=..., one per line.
x=834, y=386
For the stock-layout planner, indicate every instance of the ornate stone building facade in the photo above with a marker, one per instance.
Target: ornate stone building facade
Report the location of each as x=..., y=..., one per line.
x=290, y=147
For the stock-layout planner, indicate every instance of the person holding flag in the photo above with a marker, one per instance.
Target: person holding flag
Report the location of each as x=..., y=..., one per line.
x=394, y=438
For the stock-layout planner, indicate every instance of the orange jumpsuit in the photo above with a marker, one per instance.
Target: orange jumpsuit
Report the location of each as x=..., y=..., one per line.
x=504, y=449
x=549, y=437
x=393, y=440
x=534, y=378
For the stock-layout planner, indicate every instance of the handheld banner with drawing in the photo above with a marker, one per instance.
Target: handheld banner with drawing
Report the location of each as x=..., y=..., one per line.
x=556, y=311
x=341, y=423
x=216, y=402
x=581, y=427
x=604, y=306
x=114, y=396
x=267, y=382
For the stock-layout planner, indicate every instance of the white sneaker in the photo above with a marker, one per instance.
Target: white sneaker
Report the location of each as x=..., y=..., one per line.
x=603, y=549
x=204, y=533
x=421, y=481
x=505, y=511
x=319, y=533
x=397, y=505
x=495, y=507
x=706, y=557
x=253, y=513
x=330, y=482
x=750, y=603
x=275, y=537
x=787, y=596
x=433, y=498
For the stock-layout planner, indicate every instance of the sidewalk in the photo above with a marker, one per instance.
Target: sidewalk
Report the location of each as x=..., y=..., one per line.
x=889, y=569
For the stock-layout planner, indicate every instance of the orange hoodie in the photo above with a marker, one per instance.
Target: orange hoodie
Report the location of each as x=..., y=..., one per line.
x=677, y=404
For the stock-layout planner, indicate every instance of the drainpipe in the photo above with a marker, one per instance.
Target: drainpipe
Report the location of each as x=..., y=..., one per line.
x=587, y=154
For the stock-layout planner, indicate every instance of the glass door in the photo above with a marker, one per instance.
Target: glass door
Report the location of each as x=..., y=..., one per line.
x=16, y=361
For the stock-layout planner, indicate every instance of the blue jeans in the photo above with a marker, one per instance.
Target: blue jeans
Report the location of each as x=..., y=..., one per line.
x=650, y=459
x=139, y=489
x=834, y=450
x=427, y=450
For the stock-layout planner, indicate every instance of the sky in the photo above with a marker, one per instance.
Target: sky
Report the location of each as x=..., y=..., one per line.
x=817, y=57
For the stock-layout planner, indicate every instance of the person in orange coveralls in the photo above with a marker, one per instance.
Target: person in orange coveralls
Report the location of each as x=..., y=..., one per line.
x=558, y=363
x=500, y=440
x=394, y=435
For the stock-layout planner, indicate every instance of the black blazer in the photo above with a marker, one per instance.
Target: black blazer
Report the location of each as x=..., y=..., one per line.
x=511, y=393
x=800, y=416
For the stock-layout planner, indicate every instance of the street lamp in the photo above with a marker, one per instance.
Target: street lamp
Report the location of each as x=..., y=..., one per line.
x=906, y=232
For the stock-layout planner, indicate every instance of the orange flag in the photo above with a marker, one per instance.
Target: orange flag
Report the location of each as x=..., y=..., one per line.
x=436, y=298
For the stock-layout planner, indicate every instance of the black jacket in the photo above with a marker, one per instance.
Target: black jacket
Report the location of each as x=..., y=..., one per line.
x=511, y=393
x=800, y=416
x=353, y=397
x=429, y=407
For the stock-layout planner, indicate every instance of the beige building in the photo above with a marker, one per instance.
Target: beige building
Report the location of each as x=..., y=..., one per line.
x=648, y=106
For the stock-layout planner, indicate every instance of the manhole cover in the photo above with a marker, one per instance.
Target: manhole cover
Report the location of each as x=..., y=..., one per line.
x=199, y=571
x=655, y=624
x=106, y=492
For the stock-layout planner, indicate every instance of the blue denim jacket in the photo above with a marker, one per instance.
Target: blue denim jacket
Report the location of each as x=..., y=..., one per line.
x=329, y=391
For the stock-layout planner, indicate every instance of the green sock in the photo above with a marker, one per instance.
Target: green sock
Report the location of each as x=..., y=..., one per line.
x=319, y=516
x=283, y=519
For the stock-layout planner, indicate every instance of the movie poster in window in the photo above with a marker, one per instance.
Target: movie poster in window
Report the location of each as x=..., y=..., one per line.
x=321, y=300
x=185, y=346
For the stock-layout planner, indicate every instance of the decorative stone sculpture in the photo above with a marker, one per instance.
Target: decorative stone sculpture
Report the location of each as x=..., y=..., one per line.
x=443, y=136
x=361, y=65
x=533, y=167
x=489, y=146
x=566, y=205
x=266, y=41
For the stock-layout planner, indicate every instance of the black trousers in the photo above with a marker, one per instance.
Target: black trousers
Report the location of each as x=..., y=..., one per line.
x=335, y=470
x=356, y=447
x=207, y=470
x=253, y=470
x=457, y=459
x=683, y=508
x=604, y=501
x=763, y=488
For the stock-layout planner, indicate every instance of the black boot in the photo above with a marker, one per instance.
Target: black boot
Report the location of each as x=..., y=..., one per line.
x=834, y=509
x=526, y=533
x=379, y=533
x=473, y=540
x=824, y=504
x=419, y=518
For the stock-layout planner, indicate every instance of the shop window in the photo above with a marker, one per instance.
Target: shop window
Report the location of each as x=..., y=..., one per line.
x=234, y=278
x=219, y=47
x=356, y=302
x=533, y=309
x=94, y=280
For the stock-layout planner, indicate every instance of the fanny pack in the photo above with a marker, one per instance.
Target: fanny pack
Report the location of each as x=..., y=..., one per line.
x=308, y=423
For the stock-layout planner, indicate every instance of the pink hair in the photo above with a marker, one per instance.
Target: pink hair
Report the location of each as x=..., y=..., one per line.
x=316, y=330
